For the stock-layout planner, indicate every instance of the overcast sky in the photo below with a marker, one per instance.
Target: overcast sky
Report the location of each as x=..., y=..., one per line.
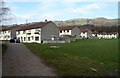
x=39, y=10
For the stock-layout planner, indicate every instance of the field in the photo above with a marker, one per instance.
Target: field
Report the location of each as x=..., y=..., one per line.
x=85, y=57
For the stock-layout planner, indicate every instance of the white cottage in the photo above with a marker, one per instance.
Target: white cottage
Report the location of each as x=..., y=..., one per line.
x=86, y=33
x=38, y=32
x=70, y=30
x=6, y=33
x=105, y=35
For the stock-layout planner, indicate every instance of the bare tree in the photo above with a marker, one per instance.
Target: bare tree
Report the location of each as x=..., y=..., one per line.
x=4, y=12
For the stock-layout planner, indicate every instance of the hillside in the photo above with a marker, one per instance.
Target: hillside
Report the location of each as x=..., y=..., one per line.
x=101, y=21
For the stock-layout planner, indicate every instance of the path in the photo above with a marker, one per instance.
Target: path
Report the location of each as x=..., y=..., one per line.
x=20, y=61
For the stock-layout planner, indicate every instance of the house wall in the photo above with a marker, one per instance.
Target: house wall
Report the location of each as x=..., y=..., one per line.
x=75, y=32
x=13, y=31
x=108, y=36
x=5, y=35
x=89, y=34
x=29, y=34
x=64, y=32
x=83, y=34
x=49, y=31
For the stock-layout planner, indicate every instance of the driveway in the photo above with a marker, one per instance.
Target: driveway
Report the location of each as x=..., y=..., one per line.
x=20, y=61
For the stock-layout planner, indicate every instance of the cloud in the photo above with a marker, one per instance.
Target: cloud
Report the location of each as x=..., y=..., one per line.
x=87, y=9
x=47, y=10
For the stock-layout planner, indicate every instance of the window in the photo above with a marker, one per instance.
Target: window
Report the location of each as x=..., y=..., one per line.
x=67, y=30
x=21, y=39
x=37, y=30
x=18, y=32
x=8, y=36
x=60, y=31
x=36, y=38
x=28, y=38
x=24, y=38
x=9, y=31
x=83, y=32
x=28, y=32
x=64, y=30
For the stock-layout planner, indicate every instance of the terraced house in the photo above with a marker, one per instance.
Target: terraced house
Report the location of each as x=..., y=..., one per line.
x=70, y=30
x=86, y=33
x=6, y=33
x=105, y=35
x=38, y=32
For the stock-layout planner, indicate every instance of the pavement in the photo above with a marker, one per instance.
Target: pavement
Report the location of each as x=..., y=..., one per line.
x=18, y=60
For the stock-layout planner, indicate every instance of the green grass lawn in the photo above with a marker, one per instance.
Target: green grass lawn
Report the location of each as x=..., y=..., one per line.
x=81, y=57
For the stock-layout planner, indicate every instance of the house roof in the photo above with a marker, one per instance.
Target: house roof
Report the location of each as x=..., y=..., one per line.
x=84, y=29
x=5, y=28
x=66, y=28
x=32, y=26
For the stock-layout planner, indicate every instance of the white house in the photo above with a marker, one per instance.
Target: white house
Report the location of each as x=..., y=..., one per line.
x=38, y=32
x=70, y=30
x=86, y=33
x=6, y=33
x=105, y=35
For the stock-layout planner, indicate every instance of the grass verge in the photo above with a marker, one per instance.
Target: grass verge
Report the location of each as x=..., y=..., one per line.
x=85, y=57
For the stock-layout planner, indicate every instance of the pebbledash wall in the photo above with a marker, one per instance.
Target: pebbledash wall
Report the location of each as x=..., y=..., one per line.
x=39, y=33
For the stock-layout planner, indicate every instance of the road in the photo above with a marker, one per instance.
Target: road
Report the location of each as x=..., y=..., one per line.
x=18, y=60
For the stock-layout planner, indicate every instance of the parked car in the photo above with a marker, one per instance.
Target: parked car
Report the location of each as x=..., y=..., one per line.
x=18, y=40
x=14, y=40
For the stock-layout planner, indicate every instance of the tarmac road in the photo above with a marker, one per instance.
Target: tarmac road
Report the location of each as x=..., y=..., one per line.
x=18, y=60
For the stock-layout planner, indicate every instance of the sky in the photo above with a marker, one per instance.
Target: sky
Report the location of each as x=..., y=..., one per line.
x=54, y=10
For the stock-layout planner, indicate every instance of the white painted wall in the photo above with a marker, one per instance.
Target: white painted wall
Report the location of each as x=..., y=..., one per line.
x=65, y=32
x=5, y=35
x=83, y=34
x=108, y=36
x=29, y=34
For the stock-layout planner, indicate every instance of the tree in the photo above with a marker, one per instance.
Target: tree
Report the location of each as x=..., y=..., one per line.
x=4, y=12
